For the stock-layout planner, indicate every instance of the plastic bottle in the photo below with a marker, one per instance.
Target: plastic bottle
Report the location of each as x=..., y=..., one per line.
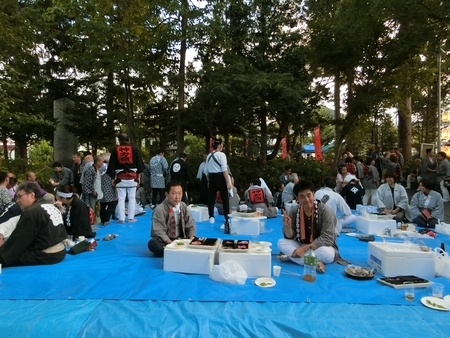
x=309, y=265
x=226, y=228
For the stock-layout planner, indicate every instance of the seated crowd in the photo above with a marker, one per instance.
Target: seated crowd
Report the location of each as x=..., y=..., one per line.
x=37, y=224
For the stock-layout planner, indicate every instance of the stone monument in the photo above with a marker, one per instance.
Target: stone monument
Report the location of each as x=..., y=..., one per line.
x=65, y=143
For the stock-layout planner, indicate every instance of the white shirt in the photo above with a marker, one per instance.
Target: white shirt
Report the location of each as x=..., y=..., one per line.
x=201, y=170
x=212, y=167
x=264, y=184
x=333, y=200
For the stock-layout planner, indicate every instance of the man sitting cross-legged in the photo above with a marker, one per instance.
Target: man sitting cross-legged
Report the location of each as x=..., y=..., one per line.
x=39, y=234
x=171, y=220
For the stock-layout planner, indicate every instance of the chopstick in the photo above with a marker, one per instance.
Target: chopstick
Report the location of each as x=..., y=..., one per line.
x=290, y=273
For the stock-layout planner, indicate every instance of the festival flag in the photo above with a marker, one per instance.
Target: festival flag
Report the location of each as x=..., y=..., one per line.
x=317, y=144
x=283, y=148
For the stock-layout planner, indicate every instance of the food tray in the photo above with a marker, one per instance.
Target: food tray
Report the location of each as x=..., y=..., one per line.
x=397, y=281
x=204, y=243
x=236, y=245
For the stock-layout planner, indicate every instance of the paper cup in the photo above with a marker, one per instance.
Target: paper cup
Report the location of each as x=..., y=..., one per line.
x=276, y=270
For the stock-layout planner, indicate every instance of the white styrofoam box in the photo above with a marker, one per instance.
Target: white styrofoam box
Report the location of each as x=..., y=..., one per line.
x=376, y=226
x=246, y=225
x=400, y=259
x=189, y=260
x=200, y=214
x=255, y=264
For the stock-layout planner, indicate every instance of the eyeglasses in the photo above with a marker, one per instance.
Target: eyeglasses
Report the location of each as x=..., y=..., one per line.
x=19, y=196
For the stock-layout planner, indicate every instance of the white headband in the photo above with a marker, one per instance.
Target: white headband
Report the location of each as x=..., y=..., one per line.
x=64, y=194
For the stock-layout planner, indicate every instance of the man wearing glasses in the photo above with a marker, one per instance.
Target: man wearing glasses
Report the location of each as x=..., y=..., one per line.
x=39, y=234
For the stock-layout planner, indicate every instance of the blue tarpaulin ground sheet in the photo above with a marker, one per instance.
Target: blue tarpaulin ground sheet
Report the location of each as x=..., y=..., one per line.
x=120, y=289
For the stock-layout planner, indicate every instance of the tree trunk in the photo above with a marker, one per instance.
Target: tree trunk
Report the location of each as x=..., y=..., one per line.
x=337, y=118
x=129, y=107
x=405, y=130
x=5, y=146
x=110, y=106
x=181, y=97
x=263, y=125
x=430, y=121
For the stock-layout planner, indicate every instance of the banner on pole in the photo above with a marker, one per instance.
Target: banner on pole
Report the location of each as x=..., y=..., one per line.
x=283, y=148
x=317, y=144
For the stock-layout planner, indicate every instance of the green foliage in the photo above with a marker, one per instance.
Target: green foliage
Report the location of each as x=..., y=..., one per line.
x=40, y=154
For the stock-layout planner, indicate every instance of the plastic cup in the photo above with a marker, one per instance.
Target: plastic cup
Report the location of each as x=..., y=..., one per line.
x=409, y=290
x=233, y=210
x=276, y=270
x=262, y=227
x=437, y=290
x=264, y=246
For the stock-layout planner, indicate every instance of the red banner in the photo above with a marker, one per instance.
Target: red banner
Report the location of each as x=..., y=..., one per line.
x=317, y=144
x=283, y=148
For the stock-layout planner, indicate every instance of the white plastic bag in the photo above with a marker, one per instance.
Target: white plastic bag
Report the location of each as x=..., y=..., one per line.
x=442, y=262
x=228, y=272
x=442, y=228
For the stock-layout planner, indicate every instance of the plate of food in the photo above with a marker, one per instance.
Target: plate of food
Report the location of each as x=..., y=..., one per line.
x=265, y=282
x=435, y=303
x=359, y=273
x=204, y=243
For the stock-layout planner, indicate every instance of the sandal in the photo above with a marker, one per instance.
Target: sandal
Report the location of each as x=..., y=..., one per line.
x=282, y=257
x=320, y=267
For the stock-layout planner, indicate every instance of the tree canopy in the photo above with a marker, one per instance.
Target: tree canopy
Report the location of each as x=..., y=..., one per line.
x=261, y=71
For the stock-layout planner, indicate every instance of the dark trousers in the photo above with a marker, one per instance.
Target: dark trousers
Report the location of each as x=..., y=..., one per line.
x=420, y=221
x=36, y=257
x=158, y=192
x=217, y=183
x=107, y=210
x=156, y=246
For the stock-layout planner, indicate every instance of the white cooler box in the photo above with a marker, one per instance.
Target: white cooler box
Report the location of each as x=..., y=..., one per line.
x=200, y=214
x=256, y=264
x=399, y=259
x=246, y=225
x=189, y=260
x=376, y=226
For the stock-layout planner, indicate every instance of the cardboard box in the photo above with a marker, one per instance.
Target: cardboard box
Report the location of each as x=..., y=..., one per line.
x=256, y=264
x=246, y=225
x=375, y=226
x=400, y=259
x=200, y=214
x=189, y=260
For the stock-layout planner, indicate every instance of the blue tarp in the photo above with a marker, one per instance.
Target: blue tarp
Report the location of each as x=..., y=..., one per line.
x=310, y=148
x=120, y=289
x=125, y=269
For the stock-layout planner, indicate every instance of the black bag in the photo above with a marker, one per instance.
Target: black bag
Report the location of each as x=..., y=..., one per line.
x=79, y=247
